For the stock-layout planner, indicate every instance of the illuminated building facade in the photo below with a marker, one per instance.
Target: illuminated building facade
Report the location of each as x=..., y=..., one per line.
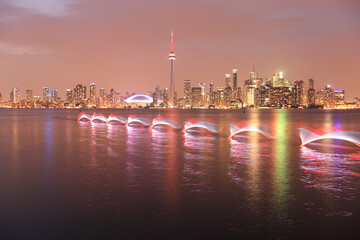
x=187, y=92
x=29, y=95
x=339, y=96
x=298, y=93
x=196, y=97
x=235, y=77
x=92, y=89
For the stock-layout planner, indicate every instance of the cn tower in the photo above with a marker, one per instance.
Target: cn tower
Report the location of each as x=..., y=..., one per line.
x=172, y=66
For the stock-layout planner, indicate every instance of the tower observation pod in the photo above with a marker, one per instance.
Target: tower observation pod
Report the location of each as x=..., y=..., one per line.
x=172, y=58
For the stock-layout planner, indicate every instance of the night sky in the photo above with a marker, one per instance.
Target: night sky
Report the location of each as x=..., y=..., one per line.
x=125, y=44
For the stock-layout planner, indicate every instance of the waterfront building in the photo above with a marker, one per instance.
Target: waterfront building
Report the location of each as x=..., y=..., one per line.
x=54, y=95
x=196, y=97
x=46, y=94
x=15, y=95
x=92, y=99
x=187, y=92
x=275, y=80
x=227, y=80
x=298, y=93
x=319, y=97
x=235, y=77
x=339, y=96
x=79, y=94
x=69, y=95
x=202, y=85
x=165, y=97
x=329, y=101
x=227, y=96
x=29, y=95
x=311, y=84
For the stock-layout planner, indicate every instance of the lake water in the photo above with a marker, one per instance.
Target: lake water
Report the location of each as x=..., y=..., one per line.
x=61, y=179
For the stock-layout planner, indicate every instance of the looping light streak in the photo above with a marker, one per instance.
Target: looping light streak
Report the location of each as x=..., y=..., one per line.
x=264, y=130
x=165, y=122
x=83, y=117
x=308, y=136
x=135, y=121
x=98, y=117
x=201, y=125
x=116, y=119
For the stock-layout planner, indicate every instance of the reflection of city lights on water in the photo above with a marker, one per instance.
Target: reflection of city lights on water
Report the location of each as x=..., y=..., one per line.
x=332, y=172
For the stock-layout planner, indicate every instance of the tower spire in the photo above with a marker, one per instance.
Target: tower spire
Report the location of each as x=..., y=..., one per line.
x=172, y=41
x=172, y=58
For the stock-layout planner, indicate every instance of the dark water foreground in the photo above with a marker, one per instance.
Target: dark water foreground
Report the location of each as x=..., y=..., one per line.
x=63, y=180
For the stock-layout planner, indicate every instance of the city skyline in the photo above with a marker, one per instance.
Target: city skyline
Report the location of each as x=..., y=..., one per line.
x=38, y=47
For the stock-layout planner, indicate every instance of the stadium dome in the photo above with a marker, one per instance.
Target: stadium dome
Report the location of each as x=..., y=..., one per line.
x=139, y=98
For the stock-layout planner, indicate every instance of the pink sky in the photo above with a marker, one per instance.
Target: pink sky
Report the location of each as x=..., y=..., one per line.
x=125, y=44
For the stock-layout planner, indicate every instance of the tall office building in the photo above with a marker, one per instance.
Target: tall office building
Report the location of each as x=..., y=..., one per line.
x=281, y=81
x=275, y=80
x=339, y=96
x=92, y=93
x=196, y=97
x=15, y=95
x=202, y=85
x=187, y=92
x=29, y=95
x=79, y=93
x=298, y=93
x=211, y=87
x=172, y=58
x=46, y=94
x=311, y=84
x=235, y=77
x=329, y=101
x=69, y=95
x=227, y=80
x=54, y=95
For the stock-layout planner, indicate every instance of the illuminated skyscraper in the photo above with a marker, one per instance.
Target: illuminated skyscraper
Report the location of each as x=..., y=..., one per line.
x=298, y=93
x=79, y=93
x=275, y=80
x=339, y=96
x=311, y=84
x=69, y=95
x=211, y=87
x=29, y=95
x=92, y=93
x=329, y=97
x=196, y=97
x=54, y=95
x=15, y=95
x=235, y=75
x=202, y=85
x=187, y=92
x=227, y=80
x=46, y=94
x=172, y=58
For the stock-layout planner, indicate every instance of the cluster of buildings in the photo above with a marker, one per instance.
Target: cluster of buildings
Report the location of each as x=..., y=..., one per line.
x=275, y=92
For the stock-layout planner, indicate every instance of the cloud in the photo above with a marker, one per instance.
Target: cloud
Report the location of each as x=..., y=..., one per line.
x=51, y=8
x=12, y=50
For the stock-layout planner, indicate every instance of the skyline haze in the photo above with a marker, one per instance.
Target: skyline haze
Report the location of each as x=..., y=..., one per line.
x=60, y=43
